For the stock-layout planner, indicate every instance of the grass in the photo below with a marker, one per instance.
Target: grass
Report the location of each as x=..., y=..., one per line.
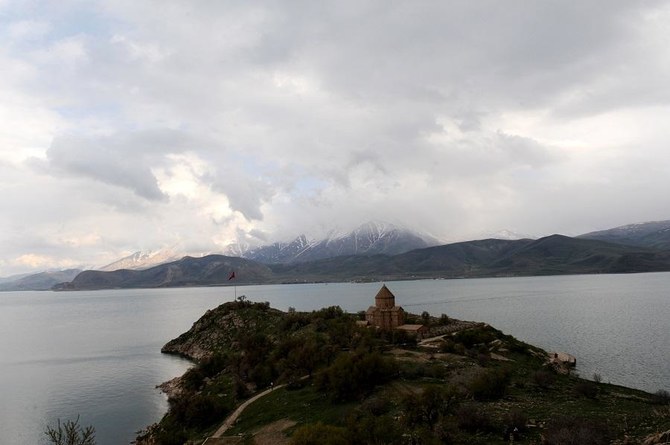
x=304, y=405
x=624, y=410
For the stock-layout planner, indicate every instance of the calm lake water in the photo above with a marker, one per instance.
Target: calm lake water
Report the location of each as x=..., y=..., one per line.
x=97, y=354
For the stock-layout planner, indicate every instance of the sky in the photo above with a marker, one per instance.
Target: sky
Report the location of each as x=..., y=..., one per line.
x=131, y=125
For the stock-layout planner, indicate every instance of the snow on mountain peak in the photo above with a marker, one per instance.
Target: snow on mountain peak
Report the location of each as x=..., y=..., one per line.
x=509, y=235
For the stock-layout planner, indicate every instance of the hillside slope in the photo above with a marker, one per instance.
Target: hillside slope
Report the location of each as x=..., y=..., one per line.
x=552, y=255
x=655, y=234
x=206, y=271
x=39, y=281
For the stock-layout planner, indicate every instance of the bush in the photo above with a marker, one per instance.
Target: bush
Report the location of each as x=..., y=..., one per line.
x=515, y=424
x=544, y=378
x=70, y=433
x=473, y=418
x=475, y=336
x=198, y=410
x=447, y=345
x=376, y=406
x=662, y=397
x=576, y=431
x=489, y=384
x=351, y=376
x=365, y=428
x=586, y=389
x=429, y=406
x=516, y=419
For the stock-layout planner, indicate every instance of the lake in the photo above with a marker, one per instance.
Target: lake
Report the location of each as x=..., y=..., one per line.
x=97, y=354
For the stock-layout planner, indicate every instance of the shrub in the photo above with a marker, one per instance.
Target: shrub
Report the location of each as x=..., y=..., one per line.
x=473, y=418
x=597, y=378
x=429, y=406
x=489, y=384
x=516, y=419
x=70, y=433
x=198, y=410
x=365, y=428
x=475, y=336
x=353, y=375
x=576, y=431
x=543, y=378
x=193, y=379
x=425, y=317
x=662, y=397
x=459, y=349
x=447, y=345
x=376, y=406
x=586, y=389
x=483, y=359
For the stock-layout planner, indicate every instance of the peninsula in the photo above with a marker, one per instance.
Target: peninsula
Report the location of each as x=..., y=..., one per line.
x=386, y=376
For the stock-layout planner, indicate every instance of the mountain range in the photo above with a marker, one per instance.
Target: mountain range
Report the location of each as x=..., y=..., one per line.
x=38, y=281
x=379, y=251
x=552, y=255
x=654, y=234
x=372, y=238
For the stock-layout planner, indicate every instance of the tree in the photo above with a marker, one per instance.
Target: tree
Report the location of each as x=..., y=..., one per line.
x=70, y=433
x=425, y=317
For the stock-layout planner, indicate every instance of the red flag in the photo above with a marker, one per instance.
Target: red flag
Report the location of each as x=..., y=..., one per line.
x=231, y=276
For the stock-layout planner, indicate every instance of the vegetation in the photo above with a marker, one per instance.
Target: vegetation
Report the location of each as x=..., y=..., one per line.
x=357, y=385
x=70, y=432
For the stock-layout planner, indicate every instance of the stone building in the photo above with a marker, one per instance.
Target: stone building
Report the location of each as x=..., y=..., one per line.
x=385, y=314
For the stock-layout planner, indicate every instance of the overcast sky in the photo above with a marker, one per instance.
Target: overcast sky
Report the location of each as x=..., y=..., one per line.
x=134, y=125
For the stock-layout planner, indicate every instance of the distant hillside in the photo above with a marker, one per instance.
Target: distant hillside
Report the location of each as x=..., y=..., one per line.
x=39, y=281
x=654, y=234
x=205, y=271
x=372, y=238
x=558, y=254
x=552, y=255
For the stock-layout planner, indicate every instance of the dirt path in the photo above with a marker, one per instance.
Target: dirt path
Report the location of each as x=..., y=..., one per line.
x=230, y=420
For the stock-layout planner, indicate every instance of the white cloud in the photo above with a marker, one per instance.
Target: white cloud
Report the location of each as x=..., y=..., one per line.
x=125, y=125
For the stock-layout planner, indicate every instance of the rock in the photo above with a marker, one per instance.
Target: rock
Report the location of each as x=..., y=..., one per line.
x=658, y=439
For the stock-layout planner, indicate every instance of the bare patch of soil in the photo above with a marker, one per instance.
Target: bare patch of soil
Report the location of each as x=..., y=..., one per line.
x=273, y=433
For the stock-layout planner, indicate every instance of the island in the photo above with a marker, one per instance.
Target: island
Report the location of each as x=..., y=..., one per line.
x=386, y=376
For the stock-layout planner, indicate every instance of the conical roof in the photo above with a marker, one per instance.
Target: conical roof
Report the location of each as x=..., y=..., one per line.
x=384, y=294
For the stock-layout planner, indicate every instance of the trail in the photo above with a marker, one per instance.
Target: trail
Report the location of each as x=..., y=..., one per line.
x=231, y=419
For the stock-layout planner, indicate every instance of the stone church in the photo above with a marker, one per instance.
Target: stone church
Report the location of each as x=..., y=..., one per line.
x=385, y=314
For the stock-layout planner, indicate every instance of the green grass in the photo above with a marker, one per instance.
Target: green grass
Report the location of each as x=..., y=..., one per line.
x=304, y=405
x=624, y=410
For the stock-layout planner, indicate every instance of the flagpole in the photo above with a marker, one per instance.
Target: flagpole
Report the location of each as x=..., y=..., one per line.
x=232, y=277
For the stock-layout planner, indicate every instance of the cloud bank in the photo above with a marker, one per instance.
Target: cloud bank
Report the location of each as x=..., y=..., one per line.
x=128, y=125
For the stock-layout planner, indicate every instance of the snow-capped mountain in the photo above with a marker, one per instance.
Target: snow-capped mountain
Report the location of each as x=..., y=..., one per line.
x=369, y=239
x=647, y=234
x=144, y=260
x=507, y=235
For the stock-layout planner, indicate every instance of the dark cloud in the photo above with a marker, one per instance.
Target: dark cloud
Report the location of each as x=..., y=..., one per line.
x=105, y=162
